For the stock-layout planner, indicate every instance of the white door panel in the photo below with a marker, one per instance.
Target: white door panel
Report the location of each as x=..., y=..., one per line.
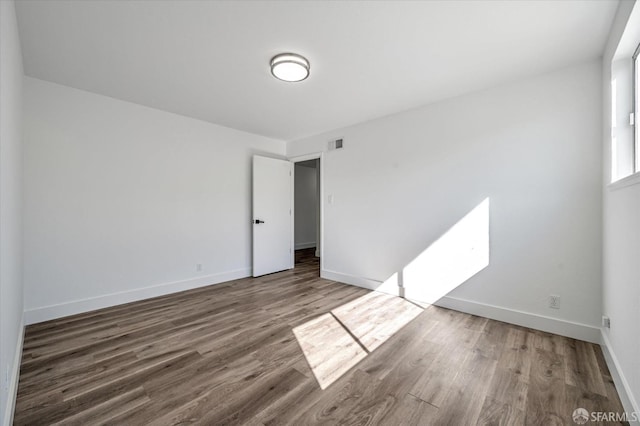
x=272, y=216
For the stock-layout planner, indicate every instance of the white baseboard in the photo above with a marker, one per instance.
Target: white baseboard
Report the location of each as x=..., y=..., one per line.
x=310, y=244
x=13, y=380
x=627, y=398
x=46, y=313
x=317, y=253
x=526, y=319
x=367, y=283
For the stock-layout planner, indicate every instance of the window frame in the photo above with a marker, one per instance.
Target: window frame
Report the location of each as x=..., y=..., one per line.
x=636, y=128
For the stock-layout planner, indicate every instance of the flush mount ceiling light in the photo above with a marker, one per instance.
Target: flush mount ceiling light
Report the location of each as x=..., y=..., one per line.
x=289, y=67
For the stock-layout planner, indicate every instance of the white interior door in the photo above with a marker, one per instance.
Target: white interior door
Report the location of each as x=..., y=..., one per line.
x=272, y=215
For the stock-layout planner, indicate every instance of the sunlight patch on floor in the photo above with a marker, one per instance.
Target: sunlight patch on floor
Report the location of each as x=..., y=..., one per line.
x=329, y=349
x=334, y=342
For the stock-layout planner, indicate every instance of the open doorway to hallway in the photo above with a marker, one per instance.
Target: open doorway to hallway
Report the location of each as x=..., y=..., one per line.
x=307, y=215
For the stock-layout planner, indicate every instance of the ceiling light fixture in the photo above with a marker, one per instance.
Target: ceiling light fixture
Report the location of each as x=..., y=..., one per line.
x=290, y=67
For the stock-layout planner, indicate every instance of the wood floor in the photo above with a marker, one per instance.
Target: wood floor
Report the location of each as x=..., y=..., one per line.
x=291, y=348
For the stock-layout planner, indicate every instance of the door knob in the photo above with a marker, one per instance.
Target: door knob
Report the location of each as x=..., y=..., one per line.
x=258, y=221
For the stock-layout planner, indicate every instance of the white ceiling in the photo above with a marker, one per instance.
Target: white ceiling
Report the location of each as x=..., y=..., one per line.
x=209, y=59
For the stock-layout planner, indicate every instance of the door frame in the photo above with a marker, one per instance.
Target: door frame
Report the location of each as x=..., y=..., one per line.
x=298, y=159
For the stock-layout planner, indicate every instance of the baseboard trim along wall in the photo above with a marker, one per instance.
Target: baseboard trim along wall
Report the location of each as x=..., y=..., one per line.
x=310, y=244
x=525, y=319
x=368, y=283
x=539, y=322
x=12, y=392
x=629, y=403
x=46, y=313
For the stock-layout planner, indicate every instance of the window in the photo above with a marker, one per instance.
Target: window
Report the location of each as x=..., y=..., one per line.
x=625, y=115
x=636, y=102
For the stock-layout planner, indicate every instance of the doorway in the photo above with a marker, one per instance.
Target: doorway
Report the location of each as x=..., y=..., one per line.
x=307, y=217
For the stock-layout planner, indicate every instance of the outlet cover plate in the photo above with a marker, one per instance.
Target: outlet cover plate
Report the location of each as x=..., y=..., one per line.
x=554, y=301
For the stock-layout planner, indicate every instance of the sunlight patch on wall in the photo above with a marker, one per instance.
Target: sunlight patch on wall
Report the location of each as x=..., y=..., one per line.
x=459, y=254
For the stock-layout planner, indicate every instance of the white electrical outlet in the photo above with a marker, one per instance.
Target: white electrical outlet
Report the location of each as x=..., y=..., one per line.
x=554, y=301
x=6, y=379
x=606, y=321
x=198, y=267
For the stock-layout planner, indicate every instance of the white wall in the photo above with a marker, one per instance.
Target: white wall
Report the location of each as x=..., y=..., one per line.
x=621, y=285
x=123, y=201
x=11, y=288
x=306, y=206
x=532, y=147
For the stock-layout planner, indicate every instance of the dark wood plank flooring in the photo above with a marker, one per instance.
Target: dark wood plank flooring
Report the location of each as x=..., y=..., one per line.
x=291, y=348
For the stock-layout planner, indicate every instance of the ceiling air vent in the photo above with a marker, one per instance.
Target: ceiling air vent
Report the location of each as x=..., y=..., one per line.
x=337, y=144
